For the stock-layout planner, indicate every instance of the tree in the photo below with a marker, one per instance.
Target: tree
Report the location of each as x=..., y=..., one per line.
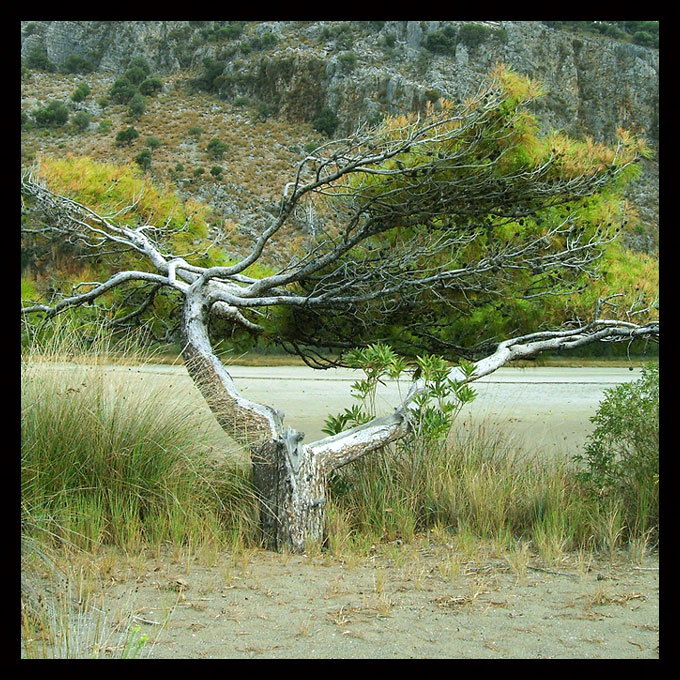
x=137, y=106
x=445, y=214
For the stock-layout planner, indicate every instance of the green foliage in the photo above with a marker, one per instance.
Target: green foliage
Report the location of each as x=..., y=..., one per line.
x=143, y=159
x=107, y=189
x=122, y=90
x=81, y=120
x=348, y=61
x=137, y=106
x=127, y=136
x=216, y=148
x=442, y=41
x=514, y=300
x=212, y=70
x=37, y=58
x=474, y=35
x=436, y=407
x=77, y=64
x=151, y=86
x=621, y=458
x=326, y=122
x=644, y=33
x=80, y=93
x=54, y=114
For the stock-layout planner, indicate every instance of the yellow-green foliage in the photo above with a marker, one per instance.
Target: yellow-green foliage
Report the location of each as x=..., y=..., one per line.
x=106, y=188
x=123, y=194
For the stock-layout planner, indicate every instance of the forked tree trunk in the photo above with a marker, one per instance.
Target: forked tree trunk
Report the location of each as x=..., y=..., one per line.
x=290, y=479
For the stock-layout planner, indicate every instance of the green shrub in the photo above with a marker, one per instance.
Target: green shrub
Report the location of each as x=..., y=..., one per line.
x=76, y=64
x=474, y=35
x=143, y=159
x=621, y=458
x=135, y=75
x=127, y=136
x=81, y=120
x=80, y=93
x=216, y=148
x=37, y=58
x=122, y=90
x=55, y=113
x=137, y=105
x=440, y=43
x=151, y=86
x=326, y=122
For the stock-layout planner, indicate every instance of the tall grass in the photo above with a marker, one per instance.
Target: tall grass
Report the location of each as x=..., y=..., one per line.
x=105, y=464
x=476, y=485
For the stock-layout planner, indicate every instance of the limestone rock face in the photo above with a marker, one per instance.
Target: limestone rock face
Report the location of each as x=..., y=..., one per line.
x=364, y=70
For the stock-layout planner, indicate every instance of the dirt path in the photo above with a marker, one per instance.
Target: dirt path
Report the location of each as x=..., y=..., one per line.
x=402, y=601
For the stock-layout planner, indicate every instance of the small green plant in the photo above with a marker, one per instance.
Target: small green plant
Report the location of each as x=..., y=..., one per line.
x=127, y=136
x=80, y=93
x=143, y=159
x=436, y=405
x=81, y=120
x=216, y=148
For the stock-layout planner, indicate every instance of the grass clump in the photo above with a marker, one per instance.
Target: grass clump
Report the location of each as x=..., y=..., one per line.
x=105, y=463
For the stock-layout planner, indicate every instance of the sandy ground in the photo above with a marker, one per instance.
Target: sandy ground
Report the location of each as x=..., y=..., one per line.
x=418, y=601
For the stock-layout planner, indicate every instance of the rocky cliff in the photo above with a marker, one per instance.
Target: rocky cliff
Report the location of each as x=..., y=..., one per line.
x=362, y=70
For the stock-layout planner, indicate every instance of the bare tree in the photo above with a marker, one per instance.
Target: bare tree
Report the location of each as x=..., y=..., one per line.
x=447, y=182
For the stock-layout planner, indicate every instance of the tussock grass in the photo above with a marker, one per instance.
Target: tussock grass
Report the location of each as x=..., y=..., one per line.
x=102, y=464
x=477, y=487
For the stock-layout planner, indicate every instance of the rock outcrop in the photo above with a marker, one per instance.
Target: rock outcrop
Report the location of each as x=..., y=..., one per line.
x=363, y=70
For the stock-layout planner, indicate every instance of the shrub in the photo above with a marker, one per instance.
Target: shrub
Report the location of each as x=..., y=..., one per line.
x=348, y=60
x=82, y=120
x=55, y=113
x=474, y=35
x=137, y=105
x=127, y=136
x=76, y=64
x=151, y=86
x=216, y=148
x=621, y=458
x=37, y=58
x=143, y=159
x=122, y=90
x=135, y=75
x=440, y=43
x=80, y=93
x=326, y=122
